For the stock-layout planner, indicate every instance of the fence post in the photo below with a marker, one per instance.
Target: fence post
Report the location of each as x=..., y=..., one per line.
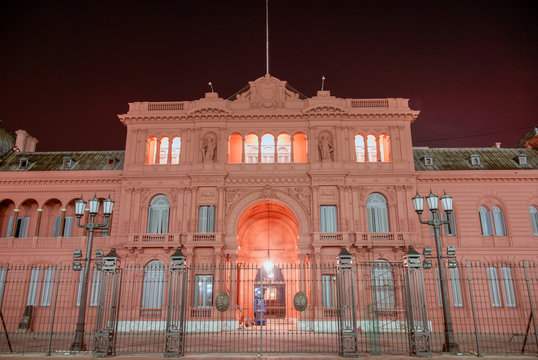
x=417, y=315
x=346, y=305
x=106, y=326
x=54, y=309
x=478, y=348
x=531, y=302
x=174, y=337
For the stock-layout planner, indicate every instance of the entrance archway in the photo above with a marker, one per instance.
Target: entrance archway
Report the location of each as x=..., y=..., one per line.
x=267, y=230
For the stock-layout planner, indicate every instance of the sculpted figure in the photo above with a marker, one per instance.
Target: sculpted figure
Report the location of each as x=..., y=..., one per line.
x=208, y=149
x=326, y=149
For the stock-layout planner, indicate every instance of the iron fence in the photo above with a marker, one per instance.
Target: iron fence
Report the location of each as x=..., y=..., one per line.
x=366, y=307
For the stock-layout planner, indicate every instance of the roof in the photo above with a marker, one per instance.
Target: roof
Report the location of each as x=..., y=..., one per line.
x=7, y=140
x=459, y=159
x=60, y=161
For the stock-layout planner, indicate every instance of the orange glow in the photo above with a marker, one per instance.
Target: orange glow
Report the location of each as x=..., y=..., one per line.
x=299, y=148
x=151, y=150
x=163, y=151
x=384, y=147
x=235, y=148
x=283, y=148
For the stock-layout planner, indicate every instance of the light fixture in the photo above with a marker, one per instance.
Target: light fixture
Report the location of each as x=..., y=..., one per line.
x=446, y=200
x=80, y=205
x=94, y=205
x=108, y=205
x=433, y=202
x=418, y=203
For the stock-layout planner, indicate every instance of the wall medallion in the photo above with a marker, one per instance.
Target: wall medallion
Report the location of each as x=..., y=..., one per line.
x=300, y=301
x=222, y=302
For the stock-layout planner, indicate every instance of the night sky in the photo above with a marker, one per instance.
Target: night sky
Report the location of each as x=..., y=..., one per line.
x=67, y=68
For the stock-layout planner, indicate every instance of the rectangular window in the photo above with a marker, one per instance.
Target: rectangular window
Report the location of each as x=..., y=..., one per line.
x=498, y=221
x=328, y=286
x=96, y=287
x=33, y=287
x=455, y=287
x=328, y=219
x=48, y=285
x=508, y=287
x=203, y=291
x=21, y=227
x=206, y=219
x=68, y=226
x=450, y=228
x=494, y=291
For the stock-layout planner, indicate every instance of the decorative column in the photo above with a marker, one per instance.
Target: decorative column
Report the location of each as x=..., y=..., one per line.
x=15, y=218
x=259, y=149
x=276, y=148
x=243, y=148
x=38, y=222
x=315, y=208
x=292, y=152
x=62, y=223
x=220, y=210
x=342, y=209
x=194, y=202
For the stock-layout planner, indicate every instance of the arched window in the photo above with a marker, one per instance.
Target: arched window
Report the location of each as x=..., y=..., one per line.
x=382, y=285
x=251, y=148
x=163, y=150
x=498, y=221
x=485, y=221
x=268, y=148
x=176, y=150
x=284, y=148
x=151, y=150
x=235, y=148
x=533, y=212
x=359, y=148
x=299, y=148
x=384, y=149
x=153, y=287
x=372, y=148
x=377, y=214
x=158, y=215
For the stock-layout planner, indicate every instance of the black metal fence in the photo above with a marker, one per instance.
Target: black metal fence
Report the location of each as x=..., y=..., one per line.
x=346, y=307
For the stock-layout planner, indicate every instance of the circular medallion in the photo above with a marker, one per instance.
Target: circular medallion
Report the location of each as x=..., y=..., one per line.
x=300, y=301
x=222, y=302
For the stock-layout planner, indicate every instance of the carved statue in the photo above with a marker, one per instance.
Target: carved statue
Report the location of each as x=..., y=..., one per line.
x=326, y=149
x=208, y=149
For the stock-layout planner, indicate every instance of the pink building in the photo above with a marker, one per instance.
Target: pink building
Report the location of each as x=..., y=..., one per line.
x=267, y=174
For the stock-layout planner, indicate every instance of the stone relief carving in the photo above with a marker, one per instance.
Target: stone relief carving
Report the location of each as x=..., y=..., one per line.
x=267, y=192
x=230, y=197
x=208, y=148
x=326, y=148
x=302, y=195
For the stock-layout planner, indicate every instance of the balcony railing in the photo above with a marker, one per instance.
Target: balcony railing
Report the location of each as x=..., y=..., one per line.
x=48, y=242
x=330, y=237
x=374, y=239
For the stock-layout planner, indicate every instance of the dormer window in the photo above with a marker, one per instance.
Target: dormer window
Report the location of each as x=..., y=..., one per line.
x=111, y=161
x=522, y=159
x=24, y=163
x=428, y=160
x=67, y=162
x=475, y=160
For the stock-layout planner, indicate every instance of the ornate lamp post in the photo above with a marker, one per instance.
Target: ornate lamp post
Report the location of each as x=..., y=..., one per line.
x=433, y=204
x=80, y=206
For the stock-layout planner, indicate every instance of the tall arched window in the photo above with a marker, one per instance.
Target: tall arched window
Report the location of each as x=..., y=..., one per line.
x=359, y=148
x=498, y=221
x=372, y=148
x=163, y=150
x=153, y=287
x=176, y=150
x=284, y=148
x=151, y=150
x=158, y=215
x=382, y=285
x=268, y=148
x=485, y=221
x=377, y=214
x=384, y=149
x=235, y=148
x=251, y=148
x=300, y=154
x=533, y=212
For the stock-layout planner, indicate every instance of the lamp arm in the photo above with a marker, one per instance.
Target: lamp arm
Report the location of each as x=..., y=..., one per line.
x=428, y=222
x=105, y=222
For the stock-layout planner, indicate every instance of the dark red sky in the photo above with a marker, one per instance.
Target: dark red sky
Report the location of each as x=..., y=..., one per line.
x=67, y=68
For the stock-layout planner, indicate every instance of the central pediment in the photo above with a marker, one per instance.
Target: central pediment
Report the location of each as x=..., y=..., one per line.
x=268, y=92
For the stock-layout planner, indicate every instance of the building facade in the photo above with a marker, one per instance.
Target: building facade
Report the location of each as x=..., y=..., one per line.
x=267, y=175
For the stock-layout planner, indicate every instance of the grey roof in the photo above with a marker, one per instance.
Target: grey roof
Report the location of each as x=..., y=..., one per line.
x=459, y=159
x=54, y=161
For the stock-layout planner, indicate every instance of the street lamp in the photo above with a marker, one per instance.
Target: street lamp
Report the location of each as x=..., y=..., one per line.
x=436, y=222
x=80, y=206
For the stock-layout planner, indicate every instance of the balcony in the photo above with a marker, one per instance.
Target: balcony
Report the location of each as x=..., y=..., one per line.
x=49, y=242
x=332, y=238
x=144, y=240
x=388, y=239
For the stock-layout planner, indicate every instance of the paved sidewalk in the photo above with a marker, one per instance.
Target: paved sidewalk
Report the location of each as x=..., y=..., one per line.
x=266, y=357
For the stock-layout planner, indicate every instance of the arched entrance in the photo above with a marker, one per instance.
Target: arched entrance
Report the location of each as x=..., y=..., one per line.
x=267, y=230
x=267, y=240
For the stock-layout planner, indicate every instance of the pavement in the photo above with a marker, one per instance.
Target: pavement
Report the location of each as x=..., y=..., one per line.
x=267, y=357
